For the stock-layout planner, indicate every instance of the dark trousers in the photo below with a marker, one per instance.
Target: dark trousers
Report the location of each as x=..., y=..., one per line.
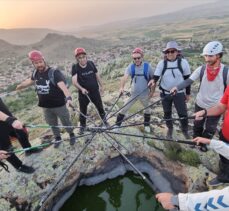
x=5, y=144
x=180, y=105
x=210, y=124
x=84, y=101
x=223, y=163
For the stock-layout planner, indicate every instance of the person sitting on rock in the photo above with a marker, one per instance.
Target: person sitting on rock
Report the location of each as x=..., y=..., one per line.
x=53, y=95
x=213, y=77
x=140, y=73
x=220, y=108
x=86, y=79
x=171, y=71
x=7, y=124
x=215, y=199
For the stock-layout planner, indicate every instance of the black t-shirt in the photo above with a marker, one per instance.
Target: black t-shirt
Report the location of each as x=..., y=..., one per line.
x=86, y=77
x=49, y=95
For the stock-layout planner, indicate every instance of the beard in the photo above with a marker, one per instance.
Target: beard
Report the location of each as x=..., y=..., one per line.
x=41, y=68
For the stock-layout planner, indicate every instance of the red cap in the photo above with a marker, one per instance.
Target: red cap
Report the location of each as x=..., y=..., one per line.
x=35, y=55
x=79, y=51
x=138, y=50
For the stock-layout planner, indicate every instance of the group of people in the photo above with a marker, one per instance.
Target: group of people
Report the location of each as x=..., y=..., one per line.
x=173, y=76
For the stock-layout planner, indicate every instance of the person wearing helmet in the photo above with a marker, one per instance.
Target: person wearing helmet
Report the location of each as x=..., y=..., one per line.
x=86, y=79
x=171, y=71
x=9, y=123
x=209, y=200
x=213, y=81
x=53, y=95
x=140, y=72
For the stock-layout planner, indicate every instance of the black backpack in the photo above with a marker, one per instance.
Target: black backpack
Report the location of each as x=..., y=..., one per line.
x=179, y=67
x=225, y=72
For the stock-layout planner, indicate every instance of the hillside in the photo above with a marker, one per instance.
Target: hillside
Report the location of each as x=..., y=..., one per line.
x=24, y=36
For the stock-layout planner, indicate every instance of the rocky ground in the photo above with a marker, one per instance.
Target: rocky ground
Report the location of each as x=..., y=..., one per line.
x=192, y=169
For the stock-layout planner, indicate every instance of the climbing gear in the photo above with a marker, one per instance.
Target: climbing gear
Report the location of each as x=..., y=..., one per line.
x=138, y=50
x=79, y=51
x=212, y=48
x=35, y=55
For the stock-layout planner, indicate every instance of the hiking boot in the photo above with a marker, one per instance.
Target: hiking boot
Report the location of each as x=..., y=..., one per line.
x=81, y=130
x=72, y=139
x=26, y=169
x=215, y=182
x=169, y=134
x=31, y=151
x=147, y=129
x=57, y=142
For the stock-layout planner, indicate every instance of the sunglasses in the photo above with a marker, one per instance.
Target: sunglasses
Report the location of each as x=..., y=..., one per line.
x=136, y=58
x=172, y=51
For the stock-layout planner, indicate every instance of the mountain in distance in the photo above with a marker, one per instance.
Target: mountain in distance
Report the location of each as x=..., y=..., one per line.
x=25, y=36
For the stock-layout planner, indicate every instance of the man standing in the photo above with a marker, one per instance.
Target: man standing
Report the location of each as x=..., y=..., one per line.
x=7, y=124
x=171, y=71
x=86, y=79
x=140, y=73
x=52, y=93
x=220, y=108
x=213, y=81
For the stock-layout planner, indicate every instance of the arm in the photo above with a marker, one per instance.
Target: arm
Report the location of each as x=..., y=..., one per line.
x=24, y=84
x=77, y=85
x=214, y=111
x=100, y=82
x=198, y=201
x=66, y=92
x=123, y=82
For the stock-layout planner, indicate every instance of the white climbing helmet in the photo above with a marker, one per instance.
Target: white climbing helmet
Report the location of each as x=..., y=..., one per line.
x=213, y=48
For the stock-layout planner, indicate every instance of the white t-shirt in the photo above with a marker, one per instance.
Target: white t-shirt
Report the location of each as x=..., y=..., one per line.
x=172, y=77
x=210, y=92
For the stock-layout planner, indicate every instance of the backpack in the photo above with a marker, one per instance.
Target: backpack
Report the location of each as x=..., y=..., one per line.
x=225, y=72
x=165, y=67
x=145, y=71
x=51, y=76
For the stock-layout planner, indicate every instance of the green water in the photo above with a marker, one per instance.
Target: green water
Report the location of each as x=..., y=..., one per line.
x=124, y=193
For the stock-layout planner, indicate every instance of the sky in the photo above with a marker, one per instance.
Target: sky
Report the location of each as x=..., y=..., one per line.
x=73, y=14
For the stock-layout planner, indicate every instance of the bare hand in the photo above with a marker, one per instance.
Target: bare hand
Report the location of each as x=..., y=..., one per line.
x=151, y=83
x=3, y=155
x=199, y=115
x=121, y=90
x=17, y=125
x=69, y=104
x=19, y=87
x=201, y=140
x=173, y=91
x=84, y=91
x=166, y=200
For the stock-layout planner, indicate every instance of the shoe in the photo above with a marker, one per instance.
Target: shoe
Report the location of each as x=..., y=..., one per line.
x=31, y=151
x=169, y=134
x=215, y=182
x=81, y=130
x=147, y=129
x=57, y=142
x=72, y=139
x=26, y=169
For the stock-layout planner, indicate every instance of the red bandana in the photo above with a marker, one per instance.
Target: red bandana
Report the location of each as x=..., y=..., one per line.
x=211, y=74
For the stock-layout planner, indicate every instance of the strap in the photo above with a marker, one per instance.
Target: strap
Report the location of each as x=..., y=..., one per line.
x=179, y=65
x=145, y=71
x=51, y=76
x=132, y=71
x=225, y=73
